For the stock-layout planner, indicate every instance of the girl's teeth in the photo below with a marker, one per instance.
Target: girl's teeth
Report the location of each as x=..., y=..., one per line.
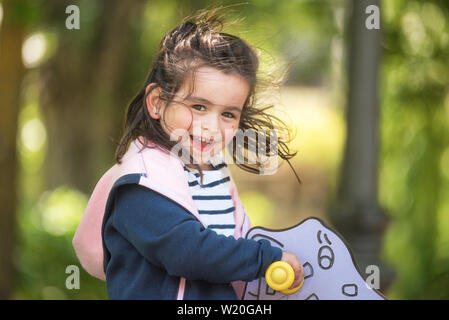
x=201, y=140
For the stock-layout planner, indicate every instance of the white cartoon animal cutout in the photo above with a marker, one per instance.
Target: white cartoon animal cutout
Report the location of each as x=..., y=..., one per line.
x=330, y=271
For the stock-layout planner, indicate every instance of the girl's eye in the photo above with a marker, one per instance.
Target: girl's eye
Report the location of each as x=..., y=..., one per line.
x=228, y=115
x=198, y=107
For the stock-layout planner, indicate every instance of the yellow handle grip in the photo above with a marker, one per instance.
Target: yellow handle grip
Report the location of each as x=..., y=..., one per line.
x=280, y=276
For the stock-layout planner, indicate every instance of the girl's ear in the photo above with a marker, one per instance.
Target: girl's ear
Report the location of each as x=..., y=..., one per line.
x=152, y=101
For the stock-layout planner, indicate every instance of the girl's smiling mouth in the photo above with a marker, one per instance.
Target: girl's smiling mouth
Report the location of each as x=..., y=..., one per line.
x=202, y=144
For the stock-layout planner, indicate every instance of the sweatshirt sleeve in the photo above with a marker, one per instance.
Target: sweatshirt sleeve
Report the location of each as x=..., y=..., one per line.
x=170, y=237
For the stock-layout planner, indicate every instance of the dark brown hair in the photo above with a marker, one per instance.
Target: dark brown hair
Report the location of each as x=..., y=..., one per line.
x=199, y=41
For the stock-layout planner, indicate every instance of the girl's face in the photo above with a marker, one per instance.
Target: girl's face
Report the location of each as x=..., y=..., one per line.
x=207, y=120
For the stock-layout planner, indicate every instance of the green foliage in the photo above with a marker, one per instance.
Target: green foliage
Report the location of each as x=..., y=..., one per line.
x=24, y=12
x=43, y=257
x=46, y=220
x=415, y=130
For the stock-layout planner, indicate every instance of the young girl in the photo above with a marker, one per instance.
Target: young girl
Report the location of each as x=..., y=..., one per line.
x=163, y=226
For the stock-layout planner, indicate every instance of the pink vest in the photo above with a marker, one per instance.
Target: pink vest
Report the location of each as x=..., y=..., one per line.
x=165, y=175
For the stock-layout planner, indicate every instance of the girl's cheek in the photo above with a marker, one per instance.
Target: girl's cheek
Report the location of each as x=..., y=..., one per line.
x=178, y=117
x=229, y=133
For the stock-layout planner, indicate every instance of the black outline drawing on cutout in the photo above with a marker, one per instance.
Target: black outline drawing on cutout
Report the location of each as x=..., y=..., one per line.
x=324, y=225
x=313, y=295
x=257, y=295
x=268, y=289
x=318, y=235
x=305, y=265
x=331, y=258
x=356, y=291
x=267, y=237
x=327, y=239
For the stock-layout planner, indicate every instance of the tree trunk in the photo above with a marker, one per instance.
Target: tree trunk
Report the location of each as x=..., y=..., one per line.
x=11, y=75
x=358, y=188
x=357, y=214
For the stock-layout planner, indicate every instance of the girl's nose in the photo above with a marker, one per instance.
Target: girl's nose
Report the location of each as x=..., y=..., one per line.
x=210, y=123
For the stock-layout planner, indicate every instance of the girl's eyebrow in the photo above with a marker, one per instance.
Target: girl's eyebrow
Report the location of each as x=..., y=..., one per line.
x=204, y=100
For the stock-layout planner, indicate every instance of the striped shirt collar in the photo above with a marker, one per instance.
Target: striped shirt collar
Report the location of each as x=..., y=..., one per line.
x=216, y=162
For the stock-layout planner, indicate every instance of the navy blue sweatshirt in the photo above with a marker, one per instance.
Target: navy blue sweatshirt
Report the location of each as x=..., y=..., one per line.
x=150, y=242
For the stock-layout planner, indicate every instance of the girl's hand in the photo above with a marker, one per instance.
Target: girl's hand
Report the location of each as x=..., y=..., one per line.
x=293, y=260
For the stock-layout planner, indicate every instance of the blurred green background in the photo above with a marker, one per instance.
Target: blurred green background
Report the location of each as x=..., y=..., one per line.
x=370, y=109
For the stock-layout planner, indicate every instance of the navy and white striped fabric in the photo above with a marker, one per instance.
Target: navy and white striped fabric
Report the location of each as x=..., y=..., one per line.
x=213, y=200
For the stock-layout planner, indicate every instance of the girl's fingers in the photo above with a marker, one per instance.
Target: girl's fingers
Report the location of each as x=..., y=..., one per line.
x=299, y=276
x=298, y=269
